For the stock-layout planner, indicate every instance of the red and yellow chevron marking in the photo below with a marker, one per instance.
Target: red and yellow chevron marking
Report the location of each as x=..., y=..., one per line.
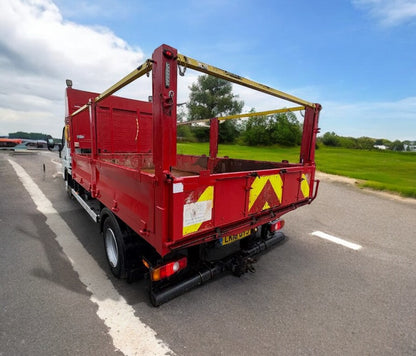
x=304, y=186
x=265, y=192
x=196, y=213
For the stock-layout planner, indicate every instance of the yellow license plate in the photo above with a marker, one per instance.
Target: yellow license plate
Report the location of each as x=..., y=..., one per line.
x=232, y=238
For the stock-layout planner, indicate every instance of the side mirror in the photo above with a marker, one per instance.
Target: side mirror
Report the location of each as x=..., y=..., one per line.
x=51, y=144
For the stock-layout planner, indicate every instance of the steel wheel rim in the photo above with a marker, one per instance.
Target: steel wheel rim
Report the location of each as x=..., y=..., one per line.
x=111, y=247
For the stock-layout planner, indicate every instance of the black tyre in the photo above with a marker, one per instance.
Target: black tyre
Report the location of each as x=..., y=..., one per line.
x=114, y=246
x=68, y=184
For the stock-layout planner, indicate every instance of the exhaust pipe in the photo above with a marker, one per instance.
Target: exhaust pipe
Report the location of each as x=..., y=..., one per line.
x=158, y=297
x=162, y=296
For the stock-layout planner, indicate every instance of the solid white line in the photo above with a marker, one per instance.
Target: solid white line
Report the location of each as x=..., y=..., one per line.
x=337, y=240
x=58, y=163
x=129, y=334
x=58, y=168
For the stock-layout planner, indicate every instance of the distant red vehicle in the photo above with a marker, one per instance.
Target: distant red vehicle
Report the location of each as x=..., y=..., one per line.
x=10, y=142
x=178, y=219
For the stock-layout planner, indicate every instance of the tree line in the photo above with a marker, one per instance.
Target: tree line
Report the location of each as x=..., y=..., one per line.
x=212, y=97
x=364, y=143
x=30, y=135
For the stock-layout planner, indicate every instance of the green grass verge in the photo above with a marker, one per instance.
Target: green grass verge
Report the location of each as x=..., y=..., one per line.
x=380, y=170
x=270, y=153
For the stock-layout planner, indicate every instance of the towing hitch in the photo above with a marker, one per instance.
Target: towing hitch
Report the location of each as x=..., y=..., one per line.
x=241, y=265
x=237, y=264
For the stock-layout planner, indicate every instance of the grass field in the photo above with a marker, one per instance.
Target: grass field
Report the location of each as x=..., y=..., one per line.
x=380, y=170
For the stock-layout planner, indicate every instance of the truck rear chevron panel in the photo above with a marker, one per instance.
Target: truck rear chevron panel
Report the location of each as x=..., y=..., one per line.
x=265, y=192
x=198, y=212
x=304, y=186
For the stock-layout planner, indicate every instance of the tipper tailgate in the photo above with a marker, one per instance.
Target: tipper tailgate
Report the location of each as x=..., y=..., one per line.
x=226, y=202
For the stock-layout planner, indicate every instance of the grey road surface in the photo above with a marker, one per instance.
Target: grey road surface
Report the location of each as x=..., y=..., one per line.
x=309, y=296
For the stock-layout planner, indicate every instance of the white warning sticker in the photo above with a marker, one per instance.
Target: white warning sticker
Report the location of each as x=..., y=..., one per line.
x=197, y=213
x=177, y=188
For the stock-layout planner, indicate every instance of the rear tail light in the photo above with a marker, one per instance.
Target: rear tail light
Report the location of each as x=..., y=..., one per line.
x=276, y=225
x=167, y=270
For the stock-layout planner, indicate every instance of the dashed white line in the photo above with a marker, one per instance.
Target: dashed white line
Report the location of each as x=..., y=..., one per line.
x=337, y=240
x=129, y=334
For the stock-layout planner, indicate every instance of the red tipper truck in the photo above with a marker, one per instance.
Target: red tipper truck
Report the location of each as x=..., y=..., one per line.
x=178, y=219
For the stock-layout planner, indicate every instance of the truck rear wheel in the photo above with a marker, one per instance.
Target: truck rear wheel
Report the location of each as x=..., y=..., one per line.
x=114, y=246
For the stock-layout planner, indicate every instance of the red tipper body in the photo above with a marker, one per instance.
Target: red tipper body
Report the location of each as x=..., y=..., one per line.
x=124, y=153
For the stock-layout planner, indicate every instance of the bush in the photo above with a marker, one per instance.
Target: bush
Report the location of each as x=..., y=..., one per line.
x=282, y=129
x=201, y=133
x=331, y=139
x=184, y=133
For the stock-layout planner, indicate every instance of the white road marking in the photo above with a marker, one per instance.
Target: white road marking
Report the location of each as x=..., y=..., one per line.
x=337, y=240
x=58, y=168
x=130, y=335
x=58, y=163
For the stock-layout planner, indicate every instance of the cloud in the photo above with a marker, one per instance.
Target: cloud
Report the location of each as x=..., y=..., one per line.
x=389, y=12
x=39, y=49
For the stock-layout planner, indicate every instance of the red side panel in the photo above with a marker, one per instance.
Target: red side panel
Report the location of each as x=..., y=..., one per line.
x=123, y=148
x=145, y=137
x=104, y=130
